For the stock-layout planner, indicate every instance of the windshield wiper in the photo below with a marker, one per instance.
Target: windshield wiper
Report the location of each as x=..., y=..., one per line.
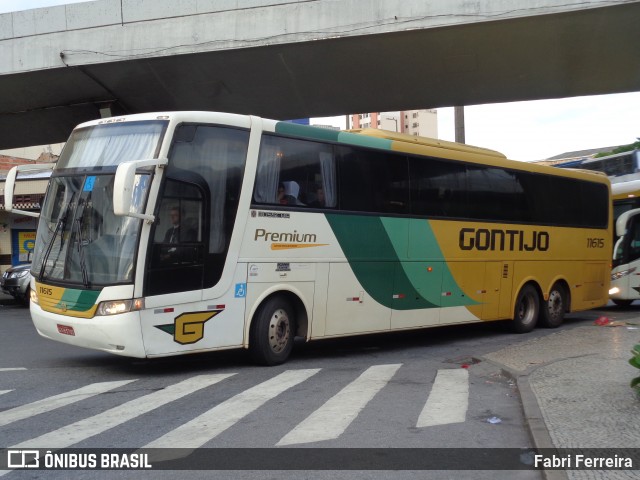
x=59, y=226
x=83, y=265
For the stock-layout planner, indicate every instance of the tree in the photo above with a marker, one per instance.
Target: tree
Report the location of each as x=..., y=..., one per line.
x=623, y=148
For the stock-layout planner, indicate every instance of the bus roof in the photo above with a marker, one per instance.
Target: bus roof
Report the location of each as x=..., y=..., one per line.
x=426, y=141
x=624, y=190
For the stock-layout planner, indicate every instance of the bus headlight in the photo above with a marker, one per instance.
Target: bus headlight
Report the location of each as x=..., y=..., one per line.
x=614, y=291
x=114, y=307
x=623, y=273
x=34, y=297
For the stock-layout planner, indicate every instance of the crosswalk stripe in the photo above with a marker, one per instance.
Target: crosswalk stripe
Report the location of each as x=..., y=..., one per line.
x=88, y=427
x=449, y=399
x=2, y=392
x=12, y=369
x=332, y=418
x=210, y=424
x=57, y=401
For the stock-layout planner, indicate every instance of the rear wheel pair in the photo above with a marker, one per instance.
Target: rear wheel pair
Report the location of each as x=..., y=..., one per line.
x=530, y=310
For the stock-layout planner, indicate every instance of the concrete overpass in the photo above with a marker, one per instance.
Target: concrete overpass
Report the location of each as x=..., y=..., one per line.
x=283, y=59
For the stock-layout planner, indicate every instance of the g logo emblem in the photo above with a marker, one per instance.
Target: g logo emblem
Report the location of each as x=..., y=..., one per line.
x=190, y=327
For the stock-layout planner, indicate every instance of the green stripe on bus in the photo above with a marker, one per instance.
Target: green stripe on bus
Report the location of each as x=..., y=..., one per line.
x=78, y=300
x=378, y=253
x=304, y=131
x=364, y=141
x=327, y=134
x=417, y=248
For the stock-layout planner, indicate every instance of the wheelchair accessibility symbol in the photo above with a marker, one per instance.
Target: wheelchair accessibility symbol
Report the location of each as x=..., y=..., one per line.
x=241, y=290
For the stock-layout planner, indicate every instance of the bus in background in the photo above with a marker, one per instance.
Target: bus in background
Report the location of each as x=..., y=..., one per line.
x=182, y=232
x=626, y=196
x=620, y=167
x=625, y=274
x=623, y=170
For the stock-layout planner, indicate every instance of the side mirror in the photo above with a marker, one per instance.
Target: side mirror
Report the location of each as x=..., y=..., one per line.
x=124, y=186
x=10, y=185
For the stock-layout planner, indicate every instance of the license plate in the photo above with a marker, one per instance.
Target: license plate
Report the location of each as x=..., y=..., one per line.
x=66, y=330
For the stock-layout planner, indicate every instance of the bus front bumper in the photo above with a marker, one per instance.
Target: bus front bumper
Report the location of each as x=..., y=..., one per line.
x=117, y=334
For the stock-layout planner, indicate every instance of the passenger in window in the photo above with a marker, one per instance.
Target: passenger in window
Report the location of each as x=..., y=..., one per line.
x=177, y=233
x=291, y=191
x=280, y=196
x=174, y=233
x=319, y=201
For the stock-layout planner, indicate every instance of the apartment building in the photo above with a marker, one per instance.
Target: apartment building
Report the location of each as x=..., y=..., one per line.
x=422, y=123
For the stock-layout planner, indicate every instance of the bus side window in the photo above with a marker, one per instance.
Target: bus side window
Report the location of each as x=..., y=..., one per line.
x=292, y=172
x=372, y=181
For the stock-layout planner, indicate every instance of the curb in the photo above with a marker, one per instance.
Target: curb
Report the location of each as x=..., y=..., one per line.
x=533, y=417
x=535, y=423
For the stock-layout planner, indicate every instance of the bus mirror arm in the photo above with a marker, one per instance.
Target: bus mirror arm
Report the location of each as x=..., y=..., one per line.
x=617, y=250
x=10, y=183
x=123, y=186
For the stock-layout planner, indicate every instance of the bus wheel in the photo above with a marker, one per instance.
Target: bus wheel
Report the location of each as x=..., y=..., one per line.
x=27, y=297
x=272, y=332
x=552, y=311
x=525, y=314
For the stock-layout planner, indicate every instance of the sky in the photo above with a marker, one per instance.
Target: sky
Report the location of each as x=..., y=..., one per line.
x=16, y=5
x=527, y=131
x=539, y=129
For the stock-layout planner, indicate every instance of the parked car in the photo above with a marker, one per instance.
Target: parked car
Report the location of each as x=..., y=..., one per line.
x=16, y=282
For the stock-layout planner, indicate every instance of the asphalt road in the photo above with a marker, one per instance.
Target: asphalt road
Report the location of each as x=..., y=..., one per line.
x=420, y=389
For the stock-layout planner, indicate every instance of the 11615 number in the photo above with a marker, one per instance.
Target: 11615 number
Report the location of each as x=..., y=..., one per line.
x=595, y=242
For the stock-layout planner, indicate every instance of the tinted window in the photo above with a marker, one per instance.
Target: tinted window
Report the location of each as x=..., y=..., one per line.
x=438, y=188
x=372, y=181
x=565, y=201
x=385, y=182
x=496, y=193
x=294, y=172
x=450, y=189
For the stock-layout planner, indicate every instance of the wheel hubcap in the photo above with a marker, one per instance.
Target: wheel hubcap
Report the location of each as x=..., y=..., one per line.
x=279, y=330
x=526, y=309
x=555, y=304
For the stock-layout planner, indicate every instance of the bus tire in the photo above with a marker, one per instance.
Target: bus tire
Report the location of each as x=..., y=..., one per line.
x=272, y=332
x=552, y=311
x=27, y=297
x=525, y=315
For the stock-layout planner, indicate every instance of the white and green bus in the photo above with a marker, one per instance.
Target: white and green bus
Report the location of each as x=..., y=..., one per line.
x=625, y=273
x=183, y=232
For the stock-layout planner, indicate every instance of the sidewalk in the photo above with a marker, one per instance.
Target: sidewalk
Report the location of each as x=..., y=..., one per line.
x=574, y=386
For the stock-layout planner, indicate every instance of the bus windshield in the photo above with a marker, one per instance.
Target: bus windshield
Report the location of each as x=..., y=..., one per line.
x=80, y=240
x=111, y=144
